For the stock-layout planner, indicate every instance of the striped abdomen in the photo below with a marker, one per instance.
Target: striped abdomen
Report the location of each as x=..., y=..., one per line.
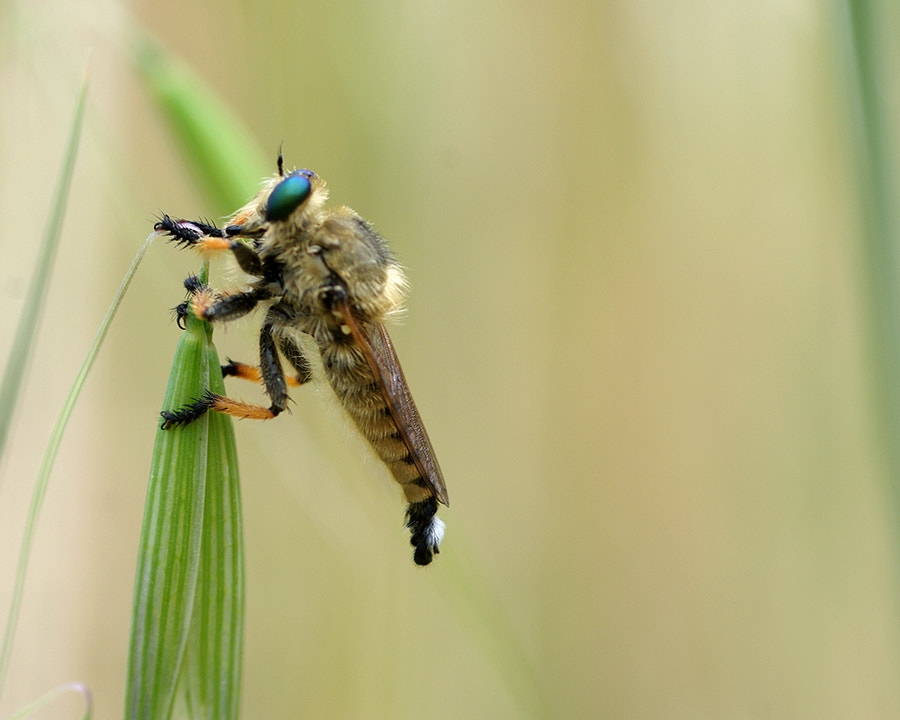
x=364, y=371
x=362, y=396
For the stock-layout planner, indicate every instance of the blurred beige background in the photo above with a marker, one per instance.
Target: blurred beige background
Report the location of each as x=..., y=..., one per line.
x=636, y=335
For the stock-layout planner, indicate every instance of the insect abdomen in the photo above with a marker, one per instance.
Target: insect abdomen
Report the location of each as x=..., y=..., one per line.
x=360, y=394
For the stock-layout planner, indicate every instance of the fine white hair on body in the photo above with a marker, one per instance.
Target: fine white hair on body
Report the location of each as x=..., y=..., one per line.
x=434, y=533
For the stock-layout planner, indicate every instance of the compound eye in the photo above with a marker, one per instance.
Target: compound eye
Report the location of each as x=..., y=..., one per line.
x=287, y=196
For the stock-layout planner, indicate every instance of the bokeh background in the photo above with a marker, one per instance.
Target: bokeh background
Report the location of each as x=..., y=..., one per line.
x=643, y=335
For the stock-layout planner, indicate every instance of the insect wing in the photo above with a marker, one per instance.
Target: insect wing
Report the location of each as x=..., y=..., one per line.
x=378, y=349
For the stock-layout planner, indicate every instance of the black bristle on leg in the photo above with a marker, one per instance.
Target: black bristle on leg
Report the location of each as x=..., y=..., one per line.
x=186, y=232
x=193, y=285
x=427, y=530
x=186, y=414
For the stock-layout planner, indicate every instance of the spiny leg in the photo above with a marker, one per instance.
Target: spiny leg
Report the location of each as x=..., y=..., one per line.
x=269, y=371
x=294, y=355
x=193, y=285
x=270, y=368
x=206, y=237
x=227, y=307
x=289, y=350
x=186, y=414
x=194, y=410
x=243, y=371
x=272, y=377
x=240, y=370
x=187, y=232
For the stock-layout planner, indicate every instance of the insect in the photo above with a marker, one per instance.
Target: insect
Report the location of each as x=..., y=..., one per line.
x=326, y=275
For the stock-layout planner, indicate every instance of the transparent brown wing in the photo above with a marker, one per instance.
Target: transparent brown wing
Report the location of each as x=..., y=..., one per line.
x=378, y=349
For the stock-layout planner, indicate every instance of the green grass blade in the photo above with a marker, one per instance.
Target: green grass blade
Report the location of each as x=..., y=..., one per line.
x=212, y=668
x=169, y=551
x=29, y=321
x=215, y=144
x=879, y=191
x=187, y=624
x=40, y=489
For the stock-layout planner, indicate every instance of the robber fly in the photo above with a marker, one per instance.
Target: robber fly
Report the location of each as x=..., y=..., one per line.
x=329, y=275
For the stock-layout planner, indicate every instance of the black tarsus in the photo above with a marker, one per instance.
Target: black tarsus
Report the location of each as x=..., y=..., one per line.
x=190, y=232
x=186, y=232
x=186, y=414
x=193, y=285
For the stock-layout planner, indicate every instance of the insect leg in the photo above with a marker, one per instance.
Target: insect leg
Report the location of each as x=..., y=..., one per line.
x=193, y=285
x=227, y=307
x=244, y=371
x=246, y=257
x=207, y=237
x=241, y=370
x=291, y=353
x=270, y=367
x=186, y=414
x=203, y=305
x=187, y=232
x=269, y=371
x=296, y=358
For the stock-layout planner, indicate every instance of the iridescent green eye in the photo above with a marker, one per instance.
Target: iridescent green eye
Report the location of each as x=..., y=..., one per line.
x=287, y=196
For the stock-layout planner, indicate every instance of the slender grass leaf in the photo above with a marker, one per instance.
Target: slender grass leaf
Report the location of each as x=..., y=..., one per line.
x=43, y=479
x=212, y=670
x=187, y=626
x=36, y=295
x=171, y=536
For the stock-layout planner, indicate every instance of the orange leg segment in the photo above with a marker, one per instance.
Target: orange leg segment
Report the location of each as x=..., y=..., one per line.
x=251, y=373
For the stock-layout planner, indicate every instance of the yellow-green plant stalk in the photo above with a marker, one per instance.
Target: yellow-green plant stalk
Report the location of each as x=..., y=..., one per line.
x=187, y=619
